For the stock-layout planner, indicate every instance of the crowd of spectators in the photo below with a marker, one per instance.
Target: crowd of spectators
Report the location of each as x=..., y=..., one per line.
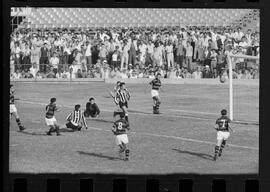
x=141, y=52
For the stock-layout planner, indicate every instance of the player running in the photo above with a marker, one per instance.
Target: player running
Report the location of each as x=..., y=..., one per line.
x=75, y=119
x=156, y=84
x=121, y=98
x=119, y=129
x=115, y=89
x=223, y=128
x=50, y=118
x=13, y=109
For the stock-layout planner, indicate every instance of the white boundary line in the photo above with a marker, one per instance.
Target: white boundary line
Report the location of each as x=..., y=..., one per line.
x=156, y=135
x=198, y=112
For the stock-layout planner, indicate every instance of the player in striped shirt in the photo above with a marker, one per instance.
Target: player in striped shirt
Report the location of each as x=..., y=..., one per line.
x=156, y=84
x=13, y=109
x=50, y=118
x=119, y=129
x=223, y=128
x=115, y=89
x=76, y=119
x=121, y=98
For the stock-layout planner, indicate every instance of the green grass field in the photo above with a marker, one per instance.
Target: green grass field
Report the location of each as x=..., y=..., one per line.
x=180, y=140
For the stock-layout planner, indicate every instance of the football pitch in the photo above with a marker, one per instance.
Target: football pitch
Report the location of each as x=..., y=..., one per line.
x=179, y=140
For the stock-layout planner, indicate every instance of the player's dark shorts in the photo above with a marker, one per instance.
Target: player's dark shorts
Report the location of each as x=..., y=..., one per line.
x=71, y=126
x=121, y=104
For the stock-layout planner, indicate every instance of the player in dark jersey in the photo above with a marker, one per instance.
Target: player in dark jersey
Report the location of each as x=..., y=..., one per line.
x=50, y=118
x=119, y=129
x=223, y=128
x=121, y=98
x=13, y=109
x=156, y=84
x=92, y=109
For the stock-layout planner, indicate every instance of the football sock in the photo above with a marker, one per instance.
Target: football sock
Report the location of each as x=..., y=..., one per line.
x=127, y=153
x=216, y=149
x=18, y=122
x=222, y=147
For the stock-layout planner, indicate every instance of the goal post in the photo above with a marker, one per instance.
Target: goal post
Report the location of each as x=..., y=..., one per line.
x=229, y=57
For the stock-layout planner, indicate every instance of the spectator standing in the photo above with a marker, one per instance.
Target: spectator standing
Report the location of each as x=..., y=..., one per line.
x=44, y=58
x=169, y=55
x=189, y=52
x=180, y=53
x=54, y=62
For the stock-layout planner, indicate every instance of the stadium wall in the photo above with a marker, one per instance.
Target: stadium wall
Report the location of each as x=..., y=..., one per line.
x=144, y=81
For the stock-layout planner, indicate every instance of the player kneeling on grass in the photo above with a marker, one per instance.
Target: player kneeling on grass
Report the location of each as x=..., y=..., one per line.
x=156, y=84
x=223, y=132
x=13, y=109
x=50, y=118
x=75, y=118
x=119, y=129
x=91, y=108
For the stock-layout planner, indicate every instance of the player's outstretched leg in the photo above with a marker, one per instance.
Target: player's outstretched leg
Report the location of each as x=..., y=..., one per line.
x=21, y=127
x=222, y=147
x=121, y=150
x=216, y=152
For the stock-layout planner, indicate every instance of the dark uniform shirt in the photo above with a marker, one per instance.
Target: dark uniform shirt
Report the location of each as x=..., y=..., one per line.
x=50, y=109
x=156, y=83
x=120, y=127
x=92, y=108
x=223, y=123
x=11, y=97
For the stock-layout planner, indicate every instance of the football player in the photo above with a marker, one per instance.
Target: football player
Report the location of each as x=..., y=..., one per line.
x=115, y=89
x=156, y=84
x=50, y=118
x=119, y=129
x=92, y=109
x=121, y=98
x=75, y=119
x=223, y=128
x=13, y=109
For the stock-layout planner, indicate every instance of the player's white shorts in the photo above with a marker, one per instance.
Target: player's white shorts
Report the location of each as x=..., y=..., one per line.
x=51, y=121
x=121, y=139
x=12, y=108
x=154, y=93
x=223, y=135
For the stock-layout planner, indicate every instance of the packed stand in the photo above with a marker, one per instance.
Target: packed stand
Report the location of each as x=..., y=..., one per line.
x=175, y=52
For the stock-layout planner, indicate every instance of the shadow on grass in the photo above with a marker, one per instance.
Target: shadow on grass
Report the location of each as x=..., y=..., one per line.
x=100, y=155
x=201, y=155
x=33, y=133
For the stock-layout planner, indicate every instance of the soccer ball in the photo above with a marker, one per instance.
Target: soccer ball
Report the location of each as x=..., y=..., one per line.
x=222, y=79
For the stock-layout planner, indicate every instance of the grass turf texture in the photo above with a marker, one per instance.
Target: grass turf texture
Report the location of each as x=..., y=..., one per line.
x=180, y=140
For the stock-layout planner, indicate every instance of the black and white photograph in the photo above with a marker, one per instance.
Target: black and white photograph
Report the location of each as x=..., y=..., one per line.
x=134, y=90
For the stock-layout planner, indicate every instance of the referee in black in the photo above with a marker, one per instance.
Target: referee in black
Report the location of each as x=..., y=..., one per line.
x=76, y=119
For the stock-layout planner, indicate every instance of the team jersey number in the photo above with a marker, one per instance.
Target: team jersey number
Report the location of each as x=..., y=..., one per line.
x=223, y=123
x=120, y=126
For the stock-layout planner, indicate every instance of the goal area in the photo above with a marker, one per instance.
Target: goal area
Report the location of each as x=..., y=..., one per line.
x=243, y=67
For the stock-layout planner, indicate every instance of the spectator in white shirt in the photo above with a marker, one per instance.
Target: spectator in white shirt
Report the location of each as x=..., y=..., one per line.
x=34, y=70
x=88, y=55
x=189, y=53
x=169, y=54
x=54, y=62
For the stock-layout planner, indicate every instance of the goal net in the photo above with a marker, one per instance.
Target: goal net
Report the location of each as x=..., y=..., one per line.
x=243, y=81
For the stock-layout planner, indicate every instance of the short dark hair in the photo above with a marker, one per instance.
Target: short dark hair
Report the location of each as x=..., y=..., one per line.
x=10, y=85
x=122, y=83
x=53, y=100
x=77, y=106
x=91, y=99
x=223, y=112
x=122, y=115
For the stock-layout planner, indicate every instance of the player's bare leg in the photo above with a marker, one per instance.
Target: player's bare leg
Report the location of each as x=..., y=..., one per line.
x=18, y=120
x=156, y=105
x=57, y=129
x=126, y=152
x=217, y=149
x=121, y=150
